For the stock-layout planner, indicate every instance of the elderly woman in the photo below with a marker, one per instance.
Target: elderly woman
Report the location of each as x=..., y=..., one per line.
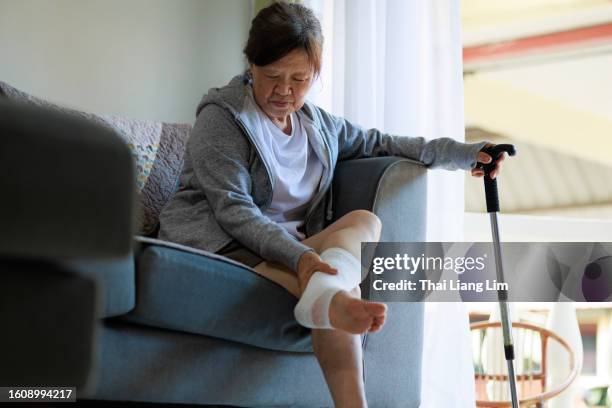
x=259, y=162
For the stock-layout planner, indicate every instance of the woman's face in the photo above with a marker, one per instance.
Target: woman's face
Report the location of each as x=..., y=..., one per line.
x=281, y=86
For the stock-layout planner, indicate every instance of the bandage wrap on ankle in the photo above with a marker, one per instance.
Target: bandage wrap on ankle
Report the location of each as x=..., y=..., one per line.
x=312, y=309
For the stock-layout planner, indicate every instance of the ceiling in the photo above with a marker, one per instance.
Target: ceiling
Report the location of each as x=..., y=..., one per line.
x=493, y=20
x=554, y=103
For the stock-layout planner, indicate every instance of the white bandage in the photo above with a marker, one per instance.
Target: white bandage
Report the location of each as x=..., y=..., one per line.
x=312, y=309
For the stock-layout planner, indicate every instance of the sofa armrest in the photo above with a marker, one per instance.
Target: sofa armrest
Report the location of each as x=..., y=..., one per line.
x=395, y=189
x=48, y=319
x=68, y=186
x=68, y=189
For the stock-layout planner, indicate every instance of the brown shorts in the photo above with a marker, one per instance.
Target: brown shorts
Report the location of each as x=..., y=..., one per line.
x=237, y=252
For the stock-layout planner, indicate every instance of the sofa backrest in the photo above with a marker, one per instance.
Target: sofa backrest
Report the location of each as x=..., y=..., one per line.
x=157, y=148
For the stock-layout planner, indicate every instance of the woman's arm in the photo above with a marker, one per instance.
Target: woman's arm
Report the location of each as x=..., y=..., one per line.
x=219, y=152
x=356, y=142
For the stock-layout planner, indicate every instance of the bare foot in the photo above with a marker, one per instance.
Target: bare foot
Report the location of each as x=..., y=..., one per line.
x=356, y=315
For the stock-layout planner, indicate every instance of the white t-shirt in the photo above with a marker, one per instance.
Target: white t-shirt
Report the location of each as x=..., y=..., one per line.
x=297, y=171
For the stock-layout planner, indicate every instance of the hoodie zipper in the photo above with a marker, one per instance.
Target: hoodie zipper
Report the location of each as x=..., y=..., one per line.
x=320, y=196
x=268, y=172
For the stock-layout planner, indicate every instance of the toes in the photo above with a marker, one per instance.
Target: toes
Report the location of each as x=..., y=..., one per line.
x=377, y=324
x=374, y=328
x=376, y=309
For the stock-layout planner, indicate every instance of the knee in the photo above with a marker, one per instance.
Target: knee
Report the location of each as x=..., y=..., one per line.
x=368, y=221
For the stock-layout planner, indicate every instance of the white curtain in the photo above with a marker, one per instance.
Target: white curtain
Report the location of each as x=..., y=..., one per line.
x=396, y=65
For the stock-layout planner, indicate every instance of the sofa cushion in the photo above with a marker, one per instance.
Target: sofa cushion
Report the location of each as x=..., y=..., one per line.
x=158, y=150
x=195, y=291
x=115, y=279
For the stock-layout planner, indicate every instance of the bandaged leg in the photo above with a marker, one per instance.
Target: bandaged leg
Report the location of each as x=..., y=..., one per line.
x=312, y=309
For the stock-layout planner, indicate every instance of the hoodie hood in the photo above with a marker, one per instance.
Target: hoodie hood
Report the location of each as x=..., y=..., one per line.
x=231, y=96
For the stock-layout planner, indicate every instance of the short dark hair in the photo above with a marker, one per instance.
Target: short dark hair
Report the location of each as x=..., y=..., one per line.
x=279, y=29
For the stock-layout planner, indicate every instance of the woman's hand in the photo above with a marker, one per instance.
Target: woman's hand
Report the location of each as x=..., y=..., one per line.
x=309, y=263
x=485, y=159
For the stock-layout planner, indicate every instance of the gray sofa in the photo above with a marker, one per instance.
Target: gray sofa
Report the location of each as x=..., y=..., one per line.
x=126, y=317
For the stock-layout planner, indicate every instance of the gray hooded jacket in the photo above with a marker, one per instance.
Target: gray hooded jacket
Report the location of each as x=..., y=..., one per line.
x=226, y=182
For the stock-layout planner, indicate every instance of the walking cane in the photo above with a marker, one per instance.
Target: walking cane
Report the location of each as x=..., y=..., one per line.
x=502, y=294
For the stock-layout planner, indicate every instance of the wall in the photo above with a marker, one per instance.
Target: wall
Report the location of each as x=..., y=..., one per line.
x=146, y=59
